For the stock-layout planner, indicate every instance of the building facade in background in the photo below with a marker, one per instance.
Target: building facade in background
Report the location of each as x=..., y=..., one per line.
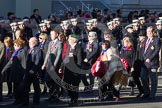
x=23, y=8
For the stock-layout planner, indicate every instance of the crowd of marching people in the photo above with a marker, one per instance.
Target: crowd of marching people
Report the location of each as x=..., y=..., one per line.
x=79, y=49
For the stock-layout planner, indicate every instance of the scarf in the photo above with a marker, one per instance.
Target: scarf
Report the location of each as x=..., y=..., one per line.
x=15, y=53
x=6, y=54
x=103, y=51
x=42, y=44
x=126, y=47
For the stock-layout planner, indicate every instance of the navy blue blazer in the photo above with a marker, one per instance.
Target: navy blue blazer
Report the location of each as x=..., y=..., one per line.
x=34, y=60
x=92, y=54
x=152, y=53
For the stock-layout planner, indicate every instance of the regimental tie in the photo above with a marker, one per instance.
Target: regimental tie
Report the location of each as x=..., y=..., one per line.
x=89, y=45
x=147, y=44
x=52, y=45
x=31, y=50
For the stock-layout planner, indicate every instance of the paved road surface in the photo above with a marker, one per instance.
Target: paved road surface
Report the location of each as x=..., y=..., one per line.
x=90, y=100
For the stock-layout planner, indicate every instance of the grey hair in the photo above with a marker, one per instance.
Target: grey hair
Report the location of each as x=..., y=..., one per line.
x=35, y=40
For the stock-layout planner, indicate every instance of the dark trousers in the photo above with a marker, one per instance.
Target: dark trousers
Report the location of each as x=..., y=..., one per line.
x=138, y=83
x=73, y=80
x=151, y=74
x=9, y=85
x=136, y=77
x=137, y=74
x=9, y=82
x=29, y=79
x=108, y=89
x=54, y=89
x=18, y=91
x=91, y=78
x=84, y=80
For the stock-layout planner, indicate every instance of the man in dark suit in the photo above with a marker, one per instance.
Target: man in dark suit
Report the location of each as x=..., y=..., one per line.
x=91, y=54
x=33, y=68
x=151, y=63
x=74, y=52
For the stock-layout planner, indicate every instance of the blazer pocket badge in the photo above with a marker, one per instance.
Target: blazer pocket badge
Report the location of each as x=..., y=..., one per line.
x=90, y=49
x=152, y=47
x=55, y=47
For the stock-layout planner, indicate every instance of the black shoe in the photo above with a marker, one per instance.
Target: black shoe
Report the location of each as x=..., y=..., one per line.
x=9, y=95
x=109, y=97
x=73, y=104
x=44, y=91
x=151, y=98
x=35, y=106
x=70, y=104
x=25, y=104
x=101, y=99
x=145, y=96
x=131, y=94
x=16, y=102
x=50, y=98
x=1, y=99
x=54, y=100
x=139, y=95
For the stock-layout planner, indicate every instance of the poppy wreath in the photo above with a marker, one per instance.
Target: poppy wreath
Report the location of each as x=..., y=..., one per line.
x=100, y=70
x=125, y=63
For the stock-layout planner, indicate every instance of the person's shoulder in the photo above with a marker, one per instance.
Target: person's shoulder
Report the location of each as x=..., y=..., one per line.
x=78, y=46
x=110, y=50
x=22, y=51
x=60, y=42
x=37, y=48
x=32, y=16
x=156, y=38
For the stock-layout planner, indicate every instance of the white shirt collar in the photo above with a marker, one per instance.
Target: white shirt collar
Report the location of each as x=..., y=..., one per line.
x=91, y=41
